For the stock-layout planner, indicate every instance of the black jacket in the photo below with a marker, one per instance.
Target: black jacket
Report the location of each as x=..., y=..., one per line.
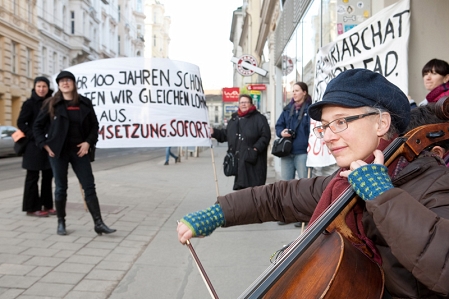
x=59, y=125
x=254, y=133
x=33, y=158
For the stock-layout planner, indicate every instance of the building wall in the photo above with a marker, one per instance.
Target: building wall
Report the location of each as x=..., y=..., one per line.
x=19, y=40
x=157, y=27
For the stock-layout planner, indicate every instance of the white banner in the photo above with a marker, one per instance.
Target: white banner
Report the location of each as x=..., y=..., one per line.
x=379, y=44
x=145, y=102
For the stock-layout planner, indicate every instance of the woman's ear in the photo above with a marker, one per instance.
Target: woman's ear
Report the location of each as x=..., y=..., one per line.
x=384, y=123
x=438, y=150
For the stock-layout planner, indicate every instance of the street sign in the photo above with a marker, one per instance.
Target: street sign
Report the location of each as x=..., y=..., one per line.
x=256, y=87
x=246, y=65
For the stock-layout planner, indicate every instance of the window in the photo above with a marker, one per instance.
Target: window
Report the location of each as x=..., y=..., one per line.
x=44, y=60
x=14, y=56
x=30, y=11
x=154, y=17
x=64, y=18
x=55, y=11
x=44, y=9
x=72, y=22
x=15, y=6
x=64, y=63
x=29, y=63
x=118, y=45
x=139, y=6
x=154, y=40
x=55, y=62
x=118, y=17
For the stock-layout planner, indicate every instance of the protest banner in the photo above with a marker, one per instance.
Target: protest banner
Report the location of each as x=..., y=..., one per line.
x=379, y=44
x=145, y=102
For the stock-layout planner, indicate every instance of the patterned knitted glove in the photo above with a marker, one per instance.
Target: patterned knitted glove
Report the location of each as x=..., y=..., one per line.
x=204, y=222
x=370, y=181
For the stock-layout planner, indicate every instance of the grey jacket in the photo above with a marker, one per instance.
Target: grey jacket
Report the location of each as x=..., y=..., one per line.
x=409, y=224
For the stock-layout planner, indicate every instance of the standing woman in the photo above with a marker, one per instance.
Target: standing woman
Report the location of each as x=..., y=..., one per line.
x=248, y=135
x=295, y=122
x=73, y=130
x=435, y=74
x=35, y=160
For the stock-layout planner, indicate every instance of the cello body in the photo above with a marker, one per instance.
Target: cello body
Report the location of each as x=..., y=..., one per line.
x=330, y=268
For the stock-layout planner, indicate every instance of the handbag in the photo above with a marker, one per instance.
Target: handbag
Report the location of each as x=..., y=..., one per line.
x=91, y=153
x=20, y=142
x=230, y=164
x=282, y=147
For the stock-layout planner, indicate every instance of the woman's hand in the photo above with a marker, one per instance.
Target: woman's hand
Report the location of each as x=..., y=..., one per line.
x=49, y=151
x=285, y=133
x=83, y=149
x=184, y=233
x=378, y=159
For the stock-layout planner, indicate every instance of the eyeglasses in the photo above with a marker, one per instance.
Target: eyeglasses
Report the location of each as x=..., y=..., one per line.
x=65, y=80
x=338, y=125
x=245, y=103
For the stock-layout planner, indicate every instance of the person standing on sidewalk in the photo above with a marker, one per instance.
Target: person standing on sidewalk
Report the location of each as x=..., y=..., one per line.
x=401, y=217
x=72, y=134
x=248, y=136
x=168, y=153
x=35, y=160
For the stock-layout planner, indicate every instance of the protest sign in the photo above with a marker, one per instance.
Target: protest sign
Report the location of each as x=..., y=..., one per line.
x=145, y=102
x=379, y=44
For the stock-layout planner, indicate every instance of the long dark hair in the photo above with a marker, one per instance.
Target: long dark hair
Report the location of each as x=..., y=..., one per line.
x=50, y=102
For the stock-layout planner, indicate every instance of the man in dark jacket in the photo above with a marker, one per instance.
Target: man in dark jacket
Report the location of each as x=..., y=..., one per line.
x=401, y=218
x=248, y=135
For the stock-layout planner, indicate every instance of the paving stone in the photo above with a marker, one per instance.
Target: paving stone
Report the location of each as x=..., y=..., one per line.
x=101, y=245
x=84, y=259
x=18, y=282
x=67, y=246
x=44, y=261
x=47, y=252
x=40, y=271
x=53, y=290
x=121, y=257
x=10, y=293
x=66, y=278
x=64, y=253
x=13, y=258
x=36, y=243
x=86, y=295
x=93, y=252
x=12, y=249
x=13, y=269
x=74, y=268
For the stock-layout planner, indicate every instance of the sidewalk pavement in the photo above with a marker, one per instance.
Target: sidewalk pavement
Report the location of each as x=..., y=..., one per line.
x=143, y=259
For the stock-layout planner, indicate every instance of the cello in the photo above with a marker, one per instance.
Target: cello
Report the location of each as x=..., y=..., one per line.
x=323, y=261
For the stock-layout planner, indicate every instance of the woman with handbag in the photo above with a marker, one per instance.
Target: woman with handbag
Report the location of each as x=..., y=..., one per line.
x=294, y=122
x=248, y=135
x=72, y=133
x=35, y=160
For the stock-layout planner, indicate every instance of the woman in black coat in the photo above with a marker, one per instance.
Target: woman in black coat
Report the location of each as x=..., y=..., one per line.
x=248, y=136
x=72, y=133
x=35, y=160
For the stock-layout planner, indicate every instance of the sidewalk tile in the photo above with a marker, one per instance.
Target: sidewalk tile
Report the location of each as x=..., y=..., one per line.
x=74, y=268
x=86, y=295
x=12, y=269
x=66, y=278
x=19, y=282
x=53, y=290
x=44, y=261
x=113, y=275
x=96, y=285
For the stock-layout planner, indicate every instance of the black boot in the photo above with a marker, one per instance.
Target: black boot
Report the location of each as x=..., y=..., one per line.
x=60, y=212
x=94, y=209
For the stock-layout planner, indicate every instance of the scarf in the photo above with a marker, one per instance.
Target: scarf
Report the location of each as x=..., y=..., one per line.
x=438, y=92
x=354, y=218
x=242, y=114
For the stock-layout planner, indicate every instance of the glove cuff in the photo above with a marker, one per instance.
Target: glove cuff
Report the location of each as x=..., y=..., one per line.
x=370, y=181
x=204, y=222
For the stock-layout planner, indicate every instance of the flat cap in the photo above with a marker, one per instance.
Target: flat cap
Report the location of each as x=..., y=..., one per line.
x=65, y=74
x=360, y=87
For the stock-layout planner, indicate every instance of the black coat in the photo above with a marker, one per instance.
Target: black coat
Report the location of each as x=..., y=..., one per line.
x=33, y=157
x=59, y=125
x=254, y=133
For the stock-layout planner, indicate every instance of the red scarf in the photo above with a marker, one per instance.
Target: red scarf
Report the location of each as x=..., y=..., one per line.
x=354, y=218
x=438, y=92
x=242, y=114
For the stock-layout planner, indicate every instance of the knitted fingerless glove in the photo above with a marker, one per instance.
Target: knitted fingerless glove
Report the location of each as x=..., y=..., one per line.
x=370, y=181
x=204, y=222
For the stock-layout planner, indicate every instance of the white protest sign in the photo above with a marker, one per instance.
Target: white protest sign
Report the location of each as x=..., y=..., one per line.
x=145, y=102
x=378, y=44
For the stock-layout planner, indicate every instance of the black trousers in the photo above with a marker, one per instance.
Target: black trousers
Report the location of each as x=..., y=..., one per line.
x=32, y=201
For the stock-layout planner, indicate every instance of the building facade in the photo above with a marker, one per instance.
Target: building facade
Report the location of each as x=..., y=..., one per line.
x=157, y=27
x=43, y=37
